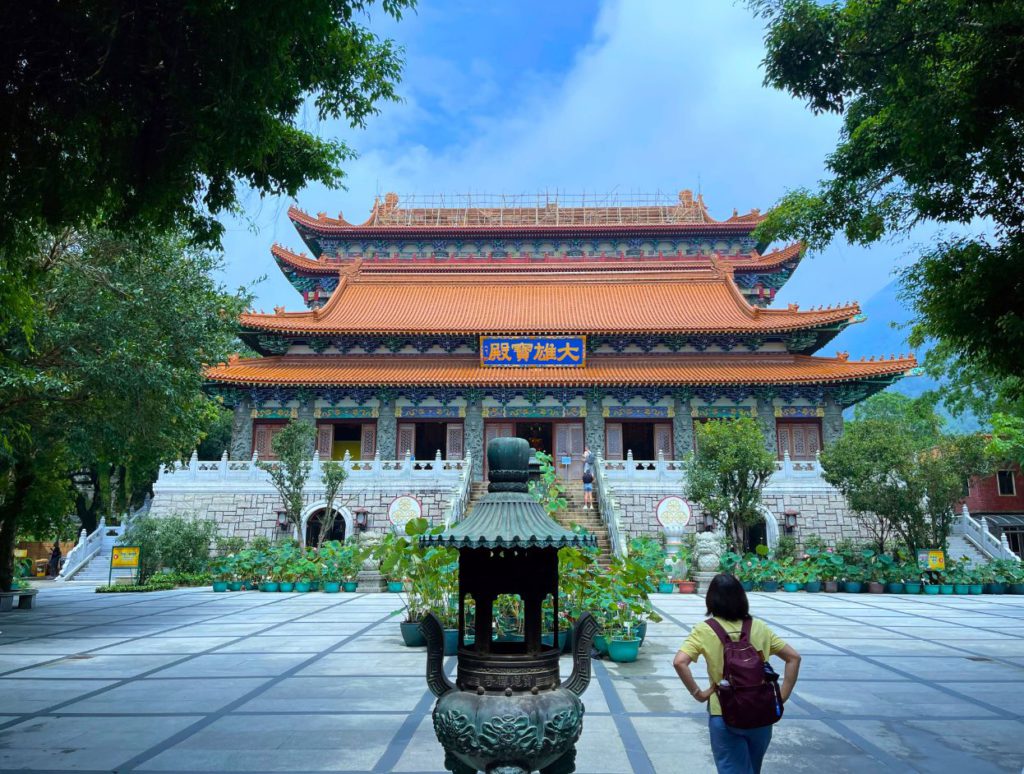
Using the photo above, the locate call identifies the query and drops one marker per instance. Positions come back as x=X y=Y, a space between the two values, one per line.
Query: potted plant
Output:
x=853 y=581
x=223 y=573
x=829 y=566
x=306 y=570
x=812 y=580
x=895 y=578
x=792 y=577
x=330 y=567
x=912 y=575
x=932 y=581
x=663 y=577
x=769 y=574
x=1016 y=578
x=959 y=576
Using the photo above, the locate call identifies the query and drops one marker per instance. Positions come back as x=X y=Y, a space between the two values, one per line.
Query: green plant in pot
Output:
x=959 y=574
x=1015 y=578
x=769 y=573
x=306 y=571
x=877 y=568
x=223 y=570
x=433 y=580
x=330 y=566
x=853 y=579
x=895 y=578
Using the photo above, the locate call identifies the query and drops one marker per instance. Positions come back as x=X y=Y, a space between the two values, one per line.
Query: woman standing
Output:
x=588 y=478
x=736 y=750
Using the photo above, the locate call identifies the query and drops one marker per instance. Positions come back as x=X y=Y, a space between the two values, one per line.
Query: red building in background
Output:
x=1000 y=499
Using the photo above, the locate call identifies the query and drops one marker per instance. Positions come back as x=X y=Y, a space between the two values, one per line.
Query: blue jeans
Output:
x=738 y=750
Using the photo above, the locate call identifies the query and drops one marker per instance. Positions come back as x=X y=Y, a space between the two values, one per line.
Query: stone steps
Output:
x=589 y=519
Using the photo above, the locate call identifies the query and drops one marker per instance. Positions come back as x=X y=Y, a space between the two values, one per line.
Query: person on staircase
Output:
x=588 y=478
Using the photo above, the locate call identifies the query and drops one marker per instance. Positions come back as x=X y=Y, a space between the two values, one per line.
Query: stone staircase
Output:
x=97 y=569
x=590 y=520
x=961 y=546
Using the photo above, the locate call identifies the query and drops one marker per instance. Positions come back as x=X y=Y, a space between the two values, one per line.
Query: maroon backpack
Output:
x=749 y=691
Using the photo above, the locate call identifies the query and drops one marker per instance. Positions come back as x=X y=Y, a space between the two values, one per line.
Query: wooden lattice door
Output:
x=613 y=441
x=325 y=440
x=367 y=441
x=453 y=441
x=663 y=440
x=406 y=441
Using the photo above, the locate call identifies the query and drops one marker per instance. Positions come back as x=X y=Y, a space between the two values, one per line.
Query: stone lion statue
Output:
x=709 y=551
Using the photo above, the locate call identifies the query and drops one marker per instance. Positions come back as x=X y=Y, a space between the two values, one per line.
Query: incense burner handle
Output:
x=437 y=680
x=583 y=637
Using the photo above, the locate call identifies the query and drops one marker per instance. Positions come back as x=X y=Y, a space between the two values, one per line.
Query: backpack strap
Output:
x=748 y=622
x=718 y=629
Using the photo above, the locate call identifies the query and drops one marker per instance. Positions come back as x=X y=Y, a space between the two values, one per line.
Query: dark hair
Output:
x=726 y=598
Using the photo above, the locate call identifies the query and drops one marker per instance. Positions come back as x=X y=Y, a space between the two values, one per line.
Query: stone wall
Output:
x=252 y=513
x=822 y=510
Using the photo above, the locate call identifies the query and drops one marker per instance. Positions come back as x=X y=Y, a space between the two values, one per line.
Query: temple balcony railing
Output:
x=225 y=474
x=661 y=471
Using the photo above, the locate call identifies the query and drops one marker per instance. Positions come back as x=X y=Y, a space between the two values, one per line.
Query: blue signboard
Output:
x=533 y=351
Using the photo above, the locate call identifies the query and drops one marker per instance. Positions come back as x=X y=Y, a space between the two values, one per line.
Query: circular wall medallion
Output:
x=673 y=511
x=404 y=509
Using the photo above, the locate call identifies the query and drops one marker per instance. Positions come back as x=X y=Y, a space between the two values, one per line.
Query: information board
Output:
x=125 y=556
x=931 y=559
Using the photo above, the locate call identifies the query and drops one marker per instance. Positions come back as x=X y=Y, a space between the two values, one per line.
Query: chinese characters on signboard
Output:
x=533 y=351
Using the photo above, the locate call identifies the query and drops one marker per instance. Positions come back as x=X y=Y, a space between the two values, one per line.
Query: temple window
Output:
x=802 y=439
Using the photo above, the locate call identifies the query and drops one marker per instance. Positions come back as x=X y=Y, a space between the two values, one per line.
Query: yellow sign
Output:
x=125 y=556
x=931 y=559
x=20 y=553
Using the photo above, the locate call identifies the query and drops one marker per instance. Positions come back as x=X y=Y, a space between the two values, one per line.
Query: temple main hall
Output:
x=439 y=323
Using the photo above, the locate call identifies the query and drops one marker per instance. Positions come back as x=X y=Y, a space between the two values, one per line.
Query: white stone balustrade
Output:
x=664 y=471
x=977 y=532
x=225 y=474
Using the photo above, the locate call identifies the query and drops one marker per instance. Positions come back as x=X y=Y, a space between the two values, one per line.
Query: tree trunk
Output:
x=9 y=510
x=87 y=510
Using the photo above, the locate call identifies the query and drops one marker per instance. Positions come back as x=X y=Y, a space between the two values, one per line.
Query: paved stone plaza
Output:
x=192 y=681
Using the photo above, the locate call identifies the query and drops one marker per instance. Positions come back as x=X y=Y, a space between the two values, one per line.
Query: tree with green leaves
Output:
x=932 y=100
x=334 y=477
x=151 y=115
x=293 y=447
x=727 y=473
x=108 y=385
x=900 y=479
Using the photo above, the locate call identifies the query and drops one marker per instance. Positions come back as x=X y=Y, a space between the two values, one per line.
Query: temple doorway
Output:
x=314 y=525
x=644 y=439
x=334 y=439
x=423 y=440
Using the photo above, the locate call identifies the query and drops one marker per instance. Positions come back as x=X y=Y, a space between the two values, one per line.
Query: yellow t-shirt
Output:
x=704 y=642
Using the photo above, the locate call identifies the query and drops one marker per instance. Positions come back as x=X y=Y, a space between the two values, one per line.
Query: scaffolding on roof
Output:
x=541 y=209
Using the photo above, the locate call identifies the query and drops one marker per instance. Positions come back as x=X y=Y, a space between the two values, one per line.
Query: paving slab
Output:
x=73 y=743
x=282 y=743
x=191 y=681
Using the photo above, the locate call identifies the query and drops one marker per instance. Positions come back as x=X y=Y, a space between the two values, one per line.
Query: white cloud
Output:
x=666 y=95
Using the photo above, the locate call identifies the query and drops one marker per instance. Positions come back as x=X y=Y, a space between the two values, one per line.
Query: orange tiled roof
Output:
x=755 y=261
x=377 y=297
x=304 y=263
x=770 y=260
x=516 y=212
x=426 y=370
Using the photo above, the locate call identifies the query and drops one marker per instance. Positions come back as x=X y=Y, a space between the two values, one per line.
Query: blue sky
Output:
x=624 y=95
